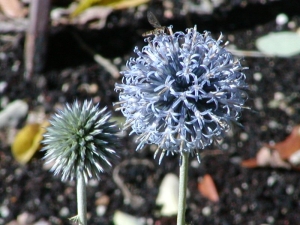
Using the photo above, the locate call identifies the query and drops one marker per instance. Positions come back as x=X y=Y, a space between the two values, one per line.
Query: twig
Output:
x=245 y=53
x=130 y=199
x=36 y=37
x=105 y=63
x=15 y=25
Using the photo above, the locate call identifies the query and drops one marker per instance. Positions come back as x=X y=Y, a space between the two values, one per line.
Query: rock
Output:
x=13 y=113
x=121 y=218
x=25 y=218
x=168 y=195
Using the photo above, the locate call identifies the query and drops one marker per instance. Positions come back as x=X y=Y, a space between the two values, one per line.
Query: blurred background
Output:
x=54 y=52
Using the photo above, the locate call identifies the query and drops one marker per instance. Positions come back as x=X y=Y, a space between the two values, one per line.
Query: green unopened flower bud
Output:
x=80 y=140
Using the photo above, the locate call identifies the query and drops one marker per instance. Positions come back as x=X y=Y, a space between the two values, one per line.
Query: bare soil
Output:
x=247 y=196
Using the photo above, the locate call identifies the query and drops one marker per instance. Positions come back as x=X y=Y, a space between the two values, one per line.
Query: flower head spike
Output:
x=80 y=140
x=182 y=92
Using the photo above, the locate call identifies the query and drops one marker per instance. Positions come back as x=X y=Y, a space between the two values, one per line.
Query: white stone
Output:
x=282 y=44
x=258 y=103
x=64 y=212
x=294 y=159
x=121 y=218
x=168 y=195
x=257 y=76
x=101 y=209
x=25 y=218
x=4 y=211
x=206 y=211
x=281 y=19
x=42 y=222
x=13 y=113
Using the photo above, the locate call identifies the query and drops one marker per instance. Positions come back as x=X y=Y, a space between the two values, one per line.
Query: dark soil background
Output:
x=247 y=196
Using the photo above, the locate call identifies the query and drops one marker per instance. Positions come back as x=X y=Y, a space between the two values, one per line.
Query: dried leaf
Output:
x=124 y=4
x=207 y=188
x=250 y=163
x=285 y=154
x=115 y=4
x=95 y=13
x=290 y=145
x=12 y=8
x=27 y=142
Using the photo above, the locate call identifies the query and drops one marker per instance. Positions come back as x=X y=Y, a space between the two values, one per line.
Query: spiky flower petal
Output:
x=80 y=139
x=182 y=92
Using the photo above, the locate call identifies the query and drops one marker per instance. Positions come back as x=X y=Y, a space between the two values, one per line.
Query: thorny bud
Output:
x=80 y=139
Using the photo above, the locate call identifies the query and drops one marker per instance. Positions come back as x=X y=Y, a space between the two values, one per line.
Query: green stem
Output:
x=183 y=177
x=81 y=200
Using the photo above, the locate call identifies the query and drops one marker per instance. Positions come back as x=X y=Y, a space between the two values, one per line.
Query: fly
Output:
x=159 y=29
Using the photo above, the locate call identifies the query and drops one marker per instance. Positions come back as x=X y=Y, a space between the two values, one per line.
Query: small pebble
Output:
x=238 y=218
x=253 y=206
x=3 y=85
x=258 y=103
x=273 y=124
x=245 y=186
x=279 y=96
x=64 y=212
x=244 y=208
x=42 y=222
x=25 y=218
x=225 y=146
x=292 y=25
x=270 y=219
x=237 y=192
x=206 y=211
x=93 y=183
x=281 y=19
x=271 y=181
x=117 y=61
x=4 y=211
x=290 y=189
x=100 y=210
x=195 y=164
x=244 y=136
x=284 y=211
x=257 y=76
x=236 y=160
x=60 y=198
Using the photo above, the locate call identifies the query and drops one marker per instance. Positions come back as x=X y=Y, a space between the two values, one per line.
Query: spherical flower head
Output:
x=182 y=92
x=80 y=140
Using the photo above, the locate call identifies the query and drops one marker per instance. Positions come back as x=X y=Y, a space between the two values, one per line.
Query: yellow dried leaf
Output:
x=115 y=4
x=27 y=142
x=123 y=4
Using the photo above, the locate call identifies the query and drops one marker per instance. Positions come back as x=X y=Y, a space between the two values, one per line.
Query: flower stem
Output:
x=81 y=200
x=183 y=177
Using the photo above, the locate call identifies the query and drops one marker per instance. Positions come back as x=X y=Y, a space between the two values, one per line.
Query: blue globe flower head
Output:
x=182 y=92
x=80 y=140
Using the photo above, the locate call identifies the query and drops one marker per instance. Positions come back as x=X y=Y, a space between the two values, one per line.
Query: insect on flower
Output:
x=159 y=29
